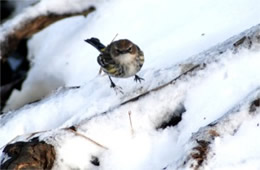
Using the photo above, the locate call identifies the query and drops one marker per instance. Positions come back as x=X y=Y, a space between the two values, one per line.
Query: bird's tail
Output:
x=96 y=43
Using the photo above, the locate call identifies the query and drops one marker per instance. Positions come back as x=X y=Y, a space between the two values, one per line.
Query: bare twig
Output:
x=131 y=125
x=114 y=37
x=85 y=137
x=100 y=71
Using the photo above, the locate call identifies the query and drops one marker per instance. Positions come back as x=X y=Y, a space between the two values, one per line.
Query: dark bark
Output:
x=33 y=154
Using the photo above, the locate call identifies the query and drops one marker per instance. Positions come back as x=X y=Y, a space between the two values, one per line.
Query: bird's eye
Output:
x=118 y=51
x=129 y=49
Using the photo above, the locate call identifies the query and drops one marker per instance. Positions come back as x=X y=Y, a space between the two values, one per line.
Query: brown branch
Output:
x=27 y=28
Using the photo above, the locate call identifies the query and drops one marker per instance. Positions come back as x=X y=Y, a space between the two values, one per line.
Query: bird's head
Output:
x=123 y=46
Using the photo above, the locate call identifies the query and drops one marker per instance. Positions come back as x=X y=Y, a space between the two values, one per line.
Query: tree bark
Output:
x=30 y=26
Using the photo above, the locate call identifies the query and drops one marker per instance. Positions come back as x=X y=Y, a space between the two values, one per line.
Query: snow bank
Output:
x=177 y=32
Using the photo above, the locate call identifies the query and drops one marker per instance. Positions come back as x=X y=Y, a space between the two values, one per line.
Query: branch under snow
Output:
x=26 y=24
x=202 y=142
x=197 y=155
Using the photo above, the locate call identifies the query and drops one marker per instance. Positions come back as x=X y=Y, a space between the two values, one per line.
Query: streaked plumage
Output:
x=119 y=59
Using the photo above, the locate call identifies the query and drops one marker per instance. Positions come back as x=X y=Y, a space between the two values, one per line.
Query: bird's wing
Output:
x=140 y=57
x=104 y=60
x=108 y=65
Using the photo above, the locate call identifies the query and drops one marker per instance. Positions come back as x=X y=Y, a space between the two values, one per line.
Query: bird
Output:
x=119 y=59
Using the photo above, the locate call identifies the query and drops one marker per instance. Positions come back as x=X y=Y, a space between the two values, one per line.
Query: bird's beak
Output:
x=124 y=52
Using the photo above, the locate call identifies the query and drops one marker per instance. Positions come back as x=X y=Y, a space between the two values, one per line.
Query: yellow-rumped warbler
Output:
x=119 y=59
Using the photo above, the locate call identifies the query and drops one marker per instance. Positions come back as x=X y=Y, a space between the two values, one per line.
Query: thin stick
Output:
x=100 y=71
x=114 y=37
x=85 y=137
x=131 y=125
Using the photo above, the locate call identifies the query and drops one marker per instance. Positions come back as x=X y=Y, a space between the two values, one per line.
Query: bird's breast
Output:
x=125 y=59
x=131 y=70
x=128 y=65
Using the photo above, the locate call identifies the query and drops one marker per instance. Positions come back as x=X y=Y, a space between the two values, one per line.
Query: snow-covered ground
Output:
x=170 y=33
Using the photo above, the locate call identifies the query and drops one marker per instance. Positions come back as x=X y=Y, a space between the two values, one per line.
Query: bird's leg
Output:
x=137 y=78
x=116 y=88
x=113 y=85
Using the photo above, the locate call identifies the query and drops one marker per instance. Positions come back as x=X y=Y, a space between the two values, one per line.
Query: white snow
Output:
x=169 y=33
x=238 y=151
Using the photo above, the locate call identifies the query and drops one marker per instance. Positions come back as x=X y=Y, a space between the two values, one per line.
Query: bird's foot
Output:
x=137 y=78
x=117 y=89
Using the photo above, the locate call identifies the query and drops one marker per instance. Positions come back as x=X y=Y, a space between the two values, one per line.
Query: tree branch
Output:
x=29 y=27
